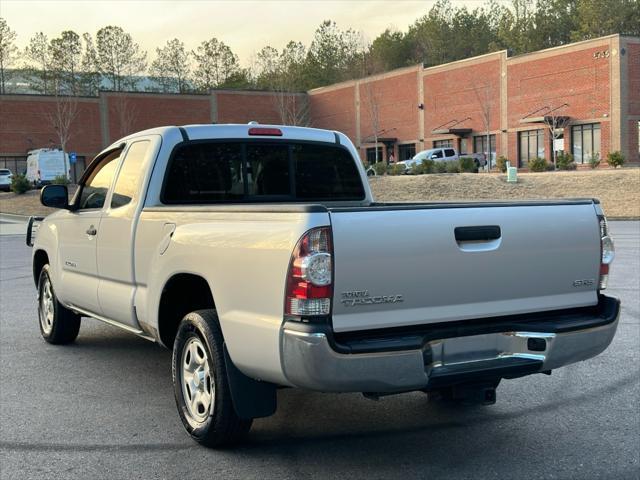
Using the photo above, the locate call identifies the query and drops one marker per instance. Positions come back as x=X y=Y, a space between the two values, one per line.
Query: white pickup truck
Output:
x=441 y=155
x=258 y=254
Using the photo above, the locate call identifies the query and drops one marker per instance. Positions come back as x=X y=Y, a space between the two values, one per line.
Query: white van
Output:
x=44 y=164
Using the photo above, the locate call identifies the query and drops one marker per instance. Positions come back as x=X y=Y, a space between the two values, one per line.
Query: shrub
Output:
x=396 y=169
x=594 y=161
x=615 y=159
x=468 y=165
x=426 y=166
x=380 y=168
x=452 y=167
x=538 y=164
x=20 y=184
x=501 y=163
x=564 y=161
x=439 y=167
x=61 y=180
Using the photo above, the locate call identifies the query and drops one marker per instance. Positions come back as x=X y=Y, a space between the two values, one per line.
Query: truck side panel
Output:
x=243 y=257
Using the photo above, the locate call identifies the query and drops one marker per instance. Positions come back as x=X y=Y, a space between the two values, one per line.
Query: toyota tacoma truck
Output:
x=259 y=256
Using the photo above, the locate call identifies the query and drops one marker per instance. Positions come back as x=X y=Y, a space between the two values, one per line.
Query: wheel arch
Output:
x=40 y=259
x=182 y=293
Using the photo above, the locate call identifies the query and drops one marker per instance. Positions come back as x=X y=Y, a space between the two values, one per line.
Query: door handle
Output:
x=92 y=230
x=482 y=233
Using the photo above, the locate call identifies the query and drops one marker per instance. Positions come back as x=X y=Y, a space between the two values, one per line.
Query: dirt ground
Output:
x=618 y=190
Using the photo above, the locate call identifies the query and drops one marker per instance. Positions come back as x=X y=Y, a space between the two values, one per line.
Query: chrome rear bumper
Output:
x=310 y=360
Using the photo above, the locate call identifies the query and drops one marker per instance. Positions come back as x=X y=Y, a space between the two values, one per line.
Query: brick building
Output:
x=590 y=92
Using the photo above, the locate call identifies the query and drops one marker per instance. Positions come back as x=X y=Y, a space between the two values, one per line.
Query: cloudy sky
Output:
x=246 y=26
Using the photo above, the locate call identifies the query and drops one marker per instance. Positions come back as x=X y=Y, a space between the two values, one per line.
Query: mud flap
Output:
x=251 y=398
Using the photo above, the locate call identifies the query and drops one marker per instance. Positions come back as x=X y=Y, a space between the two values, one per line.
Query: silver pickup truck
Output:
x=258 y=255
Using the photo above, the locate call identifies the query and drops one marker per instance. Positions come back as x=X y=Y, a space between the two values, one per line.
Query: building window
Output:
x=406 y=151
x=443 y=143
x=371 y=155
x=480 y=145
x=531 y=145
x=585 y=143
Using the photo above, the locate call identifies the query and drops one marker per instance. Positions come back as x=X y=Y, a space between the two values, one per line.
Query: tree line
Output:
x=74 y=64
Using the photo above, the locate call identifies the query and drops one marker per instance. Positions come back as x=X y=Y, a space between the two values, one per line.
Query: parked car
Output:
x=44 y=165
x=441 y=155
x=5 y=179
x=240 y=247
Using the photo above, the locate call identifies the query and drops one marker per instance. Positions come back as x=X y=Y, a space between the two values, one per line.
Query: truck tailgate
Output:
x=408 y=265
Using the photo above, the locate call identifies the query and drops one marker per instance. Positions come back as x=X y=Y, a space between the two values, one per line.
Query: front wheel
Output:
x=200 y=383
x=58 y=325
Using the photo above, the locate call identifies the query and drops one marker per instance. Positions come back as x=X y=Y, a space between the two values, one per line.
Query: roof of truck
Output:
x=206 y=131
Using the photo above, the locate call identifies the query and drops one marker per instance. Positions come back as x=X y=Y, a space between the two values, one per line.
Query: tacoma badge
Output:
x=362 y=297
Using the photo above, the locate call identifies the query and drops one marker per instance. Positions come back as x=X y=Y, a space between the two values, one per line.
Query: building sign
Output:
x=601 y=54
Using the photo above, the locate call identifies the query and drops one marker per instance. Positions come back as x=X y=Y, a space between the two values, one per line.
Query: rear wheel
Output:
x=58 y=325
x=201 y=387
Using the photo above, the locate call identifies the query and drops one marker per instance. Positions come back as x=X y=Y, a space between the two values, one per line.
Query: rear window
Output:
x=219 y=172
x=5 y=172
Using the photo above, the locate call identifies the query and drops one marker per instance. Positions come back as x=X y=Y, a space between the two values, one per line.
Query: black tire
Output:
x=220 y=426
x=58 y=325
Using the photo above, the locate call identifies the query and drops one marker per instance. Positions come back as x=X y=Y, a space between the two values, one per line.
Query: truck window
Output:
x=128 y=179
x=95 y=188
x=450 y=152
x=437 y=154
x=268 y=170
x=325 y=173
x=260 y=172
x=204 y=173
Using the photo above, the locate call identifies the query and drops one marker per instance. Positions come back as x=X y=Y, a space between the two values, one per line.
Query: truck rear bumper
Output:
x=314 y=358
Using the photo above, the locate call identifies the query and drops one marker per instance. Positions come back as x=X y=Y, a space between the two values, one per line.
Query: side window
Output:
x=449 y=152
x=437 y=154
x=95 y=188
x=126 y=187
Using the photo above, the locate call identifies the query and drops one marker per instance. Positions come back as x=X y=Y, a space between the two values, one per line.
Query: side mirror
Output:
x=55 y=196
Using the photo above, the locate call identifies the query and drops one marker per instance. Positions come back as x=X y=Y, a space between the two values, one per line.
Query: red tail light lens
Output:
x=309 y=286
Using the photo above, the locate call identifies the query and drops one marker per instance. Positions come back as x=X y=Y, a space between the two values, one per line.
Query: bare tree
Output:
x=292 y=108
x=62 y=117
x=485 y=97
x=372 y=102
x=8 y=51
x=555 y=123
x=125 y=114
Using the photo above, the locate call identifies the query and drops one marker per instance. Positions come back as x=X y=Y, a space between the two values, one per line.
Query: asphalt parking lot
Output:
x=104 y=408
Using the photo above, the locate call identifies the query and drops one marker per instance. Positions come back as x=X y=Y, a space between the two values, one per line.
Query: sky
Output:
x=244 y=25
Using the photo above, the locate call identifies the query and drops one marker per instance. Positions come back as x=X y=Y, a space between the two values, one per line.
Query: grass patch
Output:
x=618 y=190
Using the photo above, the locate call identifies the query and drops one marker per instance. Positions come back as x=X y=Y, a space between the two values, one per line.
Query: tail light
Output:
x=309 y=286
x=607 y=252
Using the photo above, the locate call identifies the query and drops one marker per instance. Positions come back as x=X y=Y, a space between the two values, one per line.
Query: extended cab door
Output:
x=78 y=230
x=117 y=234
